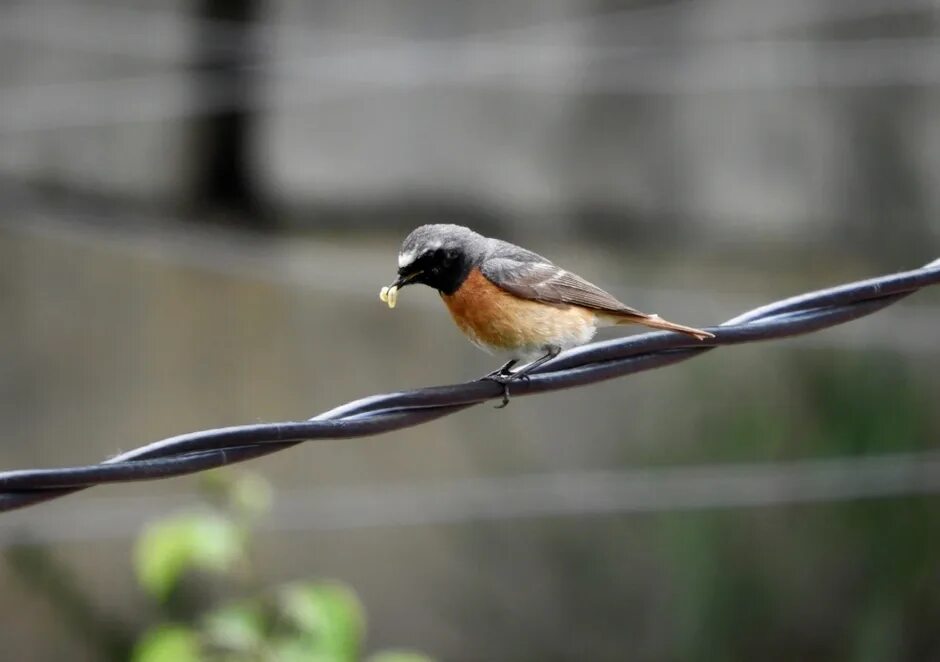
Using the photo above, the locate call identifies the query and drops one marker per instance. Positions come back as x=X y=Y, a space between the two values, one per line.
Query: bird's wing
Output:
x=531 y=276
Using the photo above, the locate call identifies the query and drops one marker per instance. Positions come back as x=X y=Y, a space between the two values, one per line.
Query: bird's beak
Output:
x=405 y=279
x=389 y=294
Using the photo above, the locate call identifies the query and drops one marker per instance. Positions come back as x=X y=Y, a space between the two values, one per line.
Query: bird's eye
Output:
x=451 y=254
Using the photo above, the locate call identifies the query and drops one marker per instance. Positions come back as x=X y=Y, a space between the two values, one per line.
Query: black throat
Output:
x=451 y=275
x=445 y=274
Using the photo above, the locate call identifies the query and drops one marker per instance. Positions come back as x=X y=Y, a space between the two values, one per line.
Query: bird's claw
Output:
x=504 y=379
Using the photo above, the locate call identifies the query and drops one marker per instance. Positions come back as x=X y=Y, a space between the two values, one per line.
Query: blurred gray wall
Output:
x=787 y=124
x=713 y=118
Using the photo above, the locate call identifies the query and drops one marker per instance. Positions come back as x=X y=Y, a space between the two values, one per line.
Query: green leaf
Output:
x=170 y=547
x=399 y=656
x=237 y=627
x=168 y=643
x=331 y=616
x=297 y=649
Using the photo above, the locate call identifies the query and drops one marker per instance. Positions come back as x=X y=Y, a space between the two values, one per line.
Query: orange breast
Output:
x=494 y=319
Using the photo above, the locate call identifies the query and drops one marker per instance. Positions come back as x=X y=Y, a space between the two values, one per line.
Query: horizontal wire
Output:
x=316 y=80
x=521 y=58
x=161 y=35
x=674 y=488
x=198 y=451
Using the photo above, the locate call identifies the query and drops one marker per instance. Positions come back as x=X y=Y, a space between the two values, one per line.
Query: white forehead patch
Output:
x=404 y=259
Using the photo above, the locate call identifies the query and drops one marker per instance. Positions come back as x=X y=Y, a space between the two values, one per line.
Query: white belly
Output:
x=564 y=336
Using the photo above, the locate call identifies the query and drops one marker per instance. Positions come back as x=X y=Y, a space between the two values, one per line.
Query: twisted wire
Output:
x=198 y=451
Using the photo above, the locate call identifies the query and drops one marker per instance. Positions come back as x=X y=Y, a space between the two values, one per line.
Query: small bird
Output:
x=510 y=301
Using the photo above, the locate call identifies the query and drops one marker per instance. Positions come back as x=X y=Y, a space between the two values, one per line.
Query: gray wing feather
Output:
x=531 y=276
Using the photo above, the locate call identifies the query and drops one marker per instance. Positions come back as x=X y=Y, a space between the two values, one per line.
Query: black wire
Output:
x=198 y=451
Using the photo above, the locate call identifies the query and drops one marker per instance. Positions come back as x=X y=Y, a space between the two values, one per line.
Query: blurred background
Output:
x=200 y=200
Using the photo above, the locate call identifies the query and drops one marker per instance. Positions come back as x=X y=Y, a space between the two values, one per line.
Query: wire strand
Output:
x=198 y=451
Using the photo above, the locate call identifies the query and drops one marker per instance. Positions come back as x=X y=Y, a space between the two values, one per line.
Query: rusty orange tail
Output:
x=657 y=322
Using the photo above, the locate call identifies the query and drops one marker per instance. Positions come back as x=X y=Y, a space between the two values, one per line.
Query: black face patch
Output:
x=444 y=269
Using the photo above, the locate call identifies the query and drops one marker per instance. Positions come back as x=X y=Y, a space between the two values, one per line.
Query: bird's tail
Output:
x=657 y=322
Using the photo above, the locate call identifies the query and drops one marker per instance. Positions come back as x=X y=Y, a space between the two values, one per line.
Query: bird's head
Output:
x=440 y=256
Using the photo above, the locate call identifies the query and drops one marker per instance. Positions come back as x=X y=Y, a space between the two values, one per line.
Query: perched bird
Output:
x=510 y=301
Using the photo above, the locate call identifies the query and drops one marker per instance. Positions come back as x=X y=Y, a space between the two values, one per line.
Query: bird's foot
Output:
x=504 y=379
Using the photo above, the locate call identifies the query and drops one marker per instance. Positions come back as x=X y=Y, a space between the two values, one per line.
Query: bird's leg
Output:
x=503 y=376
x=505 y=370
x=523 y=373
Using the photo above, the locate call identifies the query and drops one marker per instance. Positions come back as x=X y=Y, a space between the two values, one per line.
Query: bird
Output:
x=509 y=301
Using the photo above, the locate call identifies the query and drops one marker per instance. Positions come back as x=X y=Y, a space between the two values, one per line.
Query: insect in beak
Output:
x=389 y=293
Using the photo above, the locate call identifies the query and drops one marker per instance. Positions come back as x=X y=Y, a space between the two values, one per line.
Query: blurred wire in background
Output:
x=702 y=487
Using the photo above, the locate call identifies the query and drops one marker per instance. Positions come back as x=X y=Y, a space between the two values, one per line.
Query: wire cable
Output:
x=199 y=451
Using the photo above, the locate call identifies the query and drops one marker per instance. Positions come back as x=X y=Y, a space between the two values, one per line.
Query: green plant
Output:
x=302 y=621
